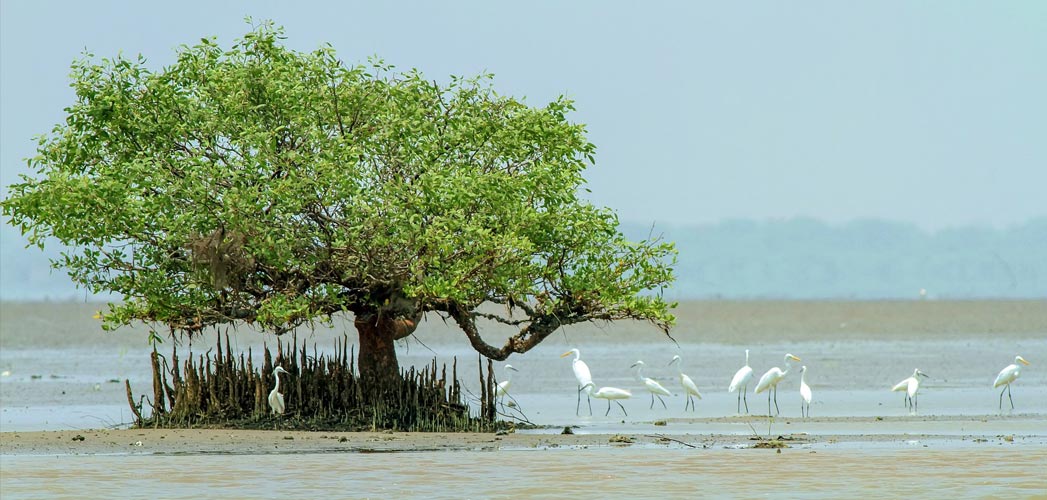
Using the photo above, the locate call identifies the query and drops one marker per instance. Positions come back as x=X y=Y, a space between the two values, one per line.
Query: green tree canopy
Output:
x=264 y=185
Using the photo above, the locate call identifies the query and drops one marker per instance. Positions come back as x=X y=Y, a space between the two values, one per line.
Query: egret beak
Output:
x=794 y=358
x=634 y=365
x=513 y=369
x=1024 y=362
x=925 y=375
x=564 y=355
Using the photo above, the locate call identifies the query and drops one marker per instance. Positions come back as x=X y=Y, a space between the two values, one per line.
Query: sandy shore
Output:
x=851 y=432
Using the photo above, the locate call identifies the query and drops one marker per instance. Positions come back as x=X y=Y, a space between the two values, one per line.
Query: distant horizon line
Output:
x=1035 y=219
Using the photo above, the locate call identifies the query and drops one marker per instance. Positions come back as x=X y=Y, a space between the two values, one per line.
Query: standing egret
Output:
x=276 y=400
x=910 y=385
x=502 y=389
x=741 y=381
x=1008 y=375
x=770 y=380
x=805 y=392
x=652 y=385
x=689 y=387
x=610 y=394
x=582 y=375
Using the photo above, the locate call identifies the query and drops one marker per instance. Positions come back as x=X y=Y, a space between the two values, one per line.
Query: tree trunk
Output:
x=379 y=370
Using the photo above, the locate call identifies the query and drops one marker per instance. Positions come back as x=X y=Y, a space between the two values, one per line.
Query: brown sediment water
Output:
x=607 y=472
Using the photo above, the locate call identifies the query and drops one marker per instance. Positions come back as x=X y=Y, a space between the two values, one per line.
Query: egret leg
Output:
x=608 y=408
x=739 y=409
x=662 y=400
x=776 y=411
x=588 y=399
x=622 y=407
x=768 y=403
x=578 y=404
x=652 y=401
x=745 y=399
x=1009 y=395
x=1001 y=396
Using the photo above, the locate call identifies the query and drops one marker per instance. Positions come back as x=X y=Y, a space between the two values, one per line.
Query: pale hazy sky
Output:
x=929 y=112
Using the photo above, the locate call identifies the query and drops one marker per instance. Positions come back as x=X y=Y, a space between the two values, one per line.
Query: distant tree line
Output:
x=804 y=258
x=795 y=258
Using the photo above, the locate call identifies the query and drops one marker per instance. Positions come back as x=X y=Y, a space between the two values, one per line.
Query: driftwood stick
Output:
x=667 y=438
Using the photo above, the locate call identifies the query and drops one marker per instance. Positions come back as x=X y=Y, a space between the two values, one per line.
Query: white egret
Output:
x=805 y=392
x=1008 y=375
x=910 y=385
x=770 y=381
x=503 y=387
x=276 y=400
x=741 y=381
x=610 y=394
x=689 y=387
x=652 y=385
x=582 y=375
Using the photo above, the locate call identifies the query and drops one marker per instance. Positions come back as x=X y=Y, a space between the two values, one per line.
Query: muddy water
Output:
x=592 y=473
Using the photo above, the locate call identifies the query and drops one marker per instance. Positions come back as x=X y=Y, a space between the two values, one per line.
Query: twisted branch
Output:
x=540 y=327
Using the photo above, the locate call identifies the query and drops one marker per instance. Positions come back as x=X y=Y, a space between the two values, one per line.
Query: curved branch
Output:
x=499 y=319
x=540 y=327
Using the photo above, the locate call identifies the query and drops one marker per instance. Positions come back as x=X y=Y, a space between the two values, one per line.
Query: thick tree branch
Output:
x=499 y=319
x=540 y=327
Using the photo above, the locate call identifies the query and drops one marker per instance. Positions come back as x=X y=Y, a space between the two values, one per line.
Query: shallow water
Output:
x=65 y=374
x=592 y=473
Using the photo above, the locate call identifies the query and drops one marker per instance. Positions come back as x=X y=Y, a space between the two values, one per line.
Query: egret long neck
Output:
x=277 y=375
x=746 y=357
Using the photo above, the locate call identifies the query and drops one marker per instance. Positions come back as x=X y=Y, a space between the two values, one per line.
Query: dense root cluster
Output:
x=323 y=392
